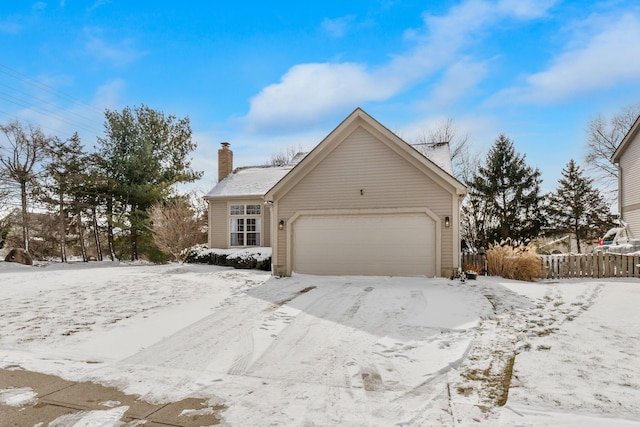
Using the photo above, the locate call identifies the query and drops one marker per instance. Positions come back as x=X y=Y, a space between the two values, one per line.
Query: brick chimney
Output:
x=225 y=161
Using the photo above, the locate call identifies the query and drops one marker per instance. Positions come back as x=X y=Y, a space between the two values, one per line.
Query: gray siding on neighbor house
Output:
x=629 y=197
x=387 y=180
x=219 y=220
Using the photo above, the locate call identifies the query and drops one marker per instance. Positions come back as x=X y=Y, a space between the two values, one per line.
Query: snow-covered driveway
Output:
x=295 y=351
x=318 y=351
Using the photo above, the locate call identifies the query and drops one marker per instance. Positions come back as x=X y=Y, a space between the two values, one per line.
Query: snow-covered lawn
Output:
x=317 y=351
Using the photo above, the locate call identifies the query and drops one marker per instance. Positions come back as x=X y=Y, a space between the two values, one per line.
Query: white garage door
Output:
x=395 y=245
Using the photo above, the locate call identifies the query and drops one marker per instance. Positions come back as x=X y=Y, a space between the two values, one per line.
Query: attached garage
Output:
x=364 y=202
x=376 y=243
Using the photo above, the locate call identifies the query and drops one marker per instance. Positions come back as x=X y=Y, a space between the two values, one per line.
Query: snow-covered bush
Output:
x=513 y=260
x=253 y=258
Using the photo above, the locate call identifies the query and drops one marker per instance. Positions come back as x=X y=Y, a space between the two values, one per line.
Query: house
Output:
x=362 y=202
x=627 y=157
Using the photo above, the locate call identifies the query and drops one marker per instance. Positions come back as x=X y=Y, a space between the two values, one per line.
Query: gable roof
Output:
x=359 y=118
x=257 y=181
x=635 y=128
x=252 y=181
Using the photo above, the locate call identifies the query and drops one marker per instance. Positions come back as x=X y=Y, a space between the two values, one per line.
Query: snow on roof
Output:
x=249 y=181
x=438 y=153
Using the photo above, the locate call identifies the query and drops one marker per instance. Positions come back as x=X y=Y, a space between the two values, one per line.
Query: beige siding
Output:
x=218 y=224
x=219 y=221
x=364 y=173
x=266 y=225
x=630 y=186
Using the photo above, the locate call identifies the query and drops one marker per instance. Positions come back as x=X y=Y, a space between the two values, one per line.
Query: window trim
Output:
x=234 y=212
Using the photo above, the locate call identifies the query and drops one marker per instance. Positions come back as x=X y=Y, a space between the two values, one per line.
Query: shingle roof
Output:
x=249 y=181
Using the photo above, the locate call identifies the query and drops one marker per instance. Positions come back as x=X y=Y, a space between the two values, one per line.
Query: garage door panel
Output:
x=400 y=244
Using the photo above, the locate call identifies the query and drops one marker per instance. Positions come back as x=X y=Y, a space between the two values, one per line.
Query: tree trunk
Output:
x=83 y=246
x=63 y=230
x=133 y=219
x=25 y=228
x=96 y=233
x=112 y=253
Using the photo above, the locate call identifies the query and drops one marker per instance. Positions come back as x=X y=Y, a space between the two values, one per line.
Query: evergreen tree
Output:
x=144 y=154
x=63 y=168
x=504 y=198
x=577 y=208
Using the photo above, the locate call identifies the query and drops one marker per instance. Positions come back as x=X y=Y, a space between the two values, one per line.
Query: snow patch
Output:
x=18 y=396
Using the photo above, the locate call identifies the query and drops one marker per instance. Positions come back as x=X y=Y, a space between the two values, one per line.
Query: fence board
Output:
x=596 y=265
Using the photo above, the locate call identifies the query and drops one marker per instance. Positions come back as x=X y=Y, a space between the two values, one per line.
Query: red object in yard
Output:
x=600 y=242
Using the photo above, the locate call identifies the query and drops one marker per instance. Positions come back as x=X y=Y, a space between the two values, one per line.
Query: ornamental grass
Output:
x=514 y=260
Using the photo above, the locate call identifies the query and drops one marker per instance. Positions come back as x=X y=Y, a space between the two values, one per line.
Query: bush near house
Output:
x=258 y=258
x=513 y=260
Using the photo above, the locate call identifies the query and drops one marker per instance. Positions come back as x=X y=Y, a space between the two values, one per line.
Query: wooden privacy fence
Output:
x=597 y=265
x=563 y=266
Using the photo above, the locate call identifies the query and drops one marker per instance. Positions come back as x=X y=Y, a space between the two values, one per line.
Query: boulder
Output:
x=19 y=255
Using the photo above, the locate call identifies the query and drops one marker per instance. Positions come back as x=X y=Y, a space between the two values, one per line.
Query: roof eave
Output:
x=626 y=140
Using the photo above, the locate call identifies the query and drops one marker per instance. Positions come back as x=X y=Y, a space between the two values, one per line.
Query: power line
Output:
x=33 y=82
x=12 y=99
x=46 y=108
x=13 y=89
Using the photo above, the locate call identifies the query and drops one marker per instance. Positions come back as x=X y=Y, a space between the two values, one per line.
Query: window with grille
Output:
x=244 y=226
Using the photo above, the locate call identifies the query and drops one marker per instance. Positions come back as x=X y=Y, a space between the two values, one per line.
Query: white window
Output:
x=244 y=225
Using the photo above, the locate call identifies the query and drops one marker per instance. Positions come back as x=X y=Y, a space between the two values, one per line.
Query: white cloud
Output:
x=526 y=8
x=308 y=93
x=37 y=6
x=312 y=90
x=108 y=95
x=119 y=54
x=460 y=78
x=609 y=57
x=10 y=27
x=337 y=27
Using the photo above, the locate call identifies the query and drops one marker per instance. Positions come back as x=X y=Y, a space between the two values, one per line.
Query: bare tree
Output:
x=21 y=152
x=603 y=138
x=285 y=156
x=464 y=165
x=176 y=226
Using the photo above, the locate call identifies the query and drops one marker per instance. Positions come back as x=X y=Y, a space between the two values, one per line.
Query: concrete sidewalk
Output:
x=57 y=398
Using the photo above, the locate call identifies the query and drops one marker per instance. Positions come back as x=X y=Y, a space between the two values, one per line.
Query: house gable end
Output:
x=360 y=119
x=626 y=141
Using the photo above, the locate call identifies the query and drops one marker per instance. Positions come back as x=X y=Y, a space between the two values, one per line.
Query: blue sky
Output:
x=269 y=75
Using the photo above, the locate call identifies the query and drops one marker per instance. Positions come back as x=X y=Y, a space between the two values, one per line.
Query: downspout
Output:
x=620 y=192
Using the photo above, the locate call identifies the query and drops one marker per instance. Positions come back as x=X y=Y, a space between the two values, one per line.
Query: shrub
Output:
x=513 y=260
x=250 y=258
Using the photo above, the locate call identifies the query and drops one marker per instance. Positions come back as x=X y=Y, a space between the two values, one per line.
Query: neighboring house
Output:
x=627 y=157
x=362 y=202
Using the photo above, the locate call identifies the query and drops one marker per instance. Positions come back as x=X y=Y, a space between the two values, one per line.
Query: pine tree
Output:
x=144 y=154
x=504 y=198
x=577 y=208
x=63 y=168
